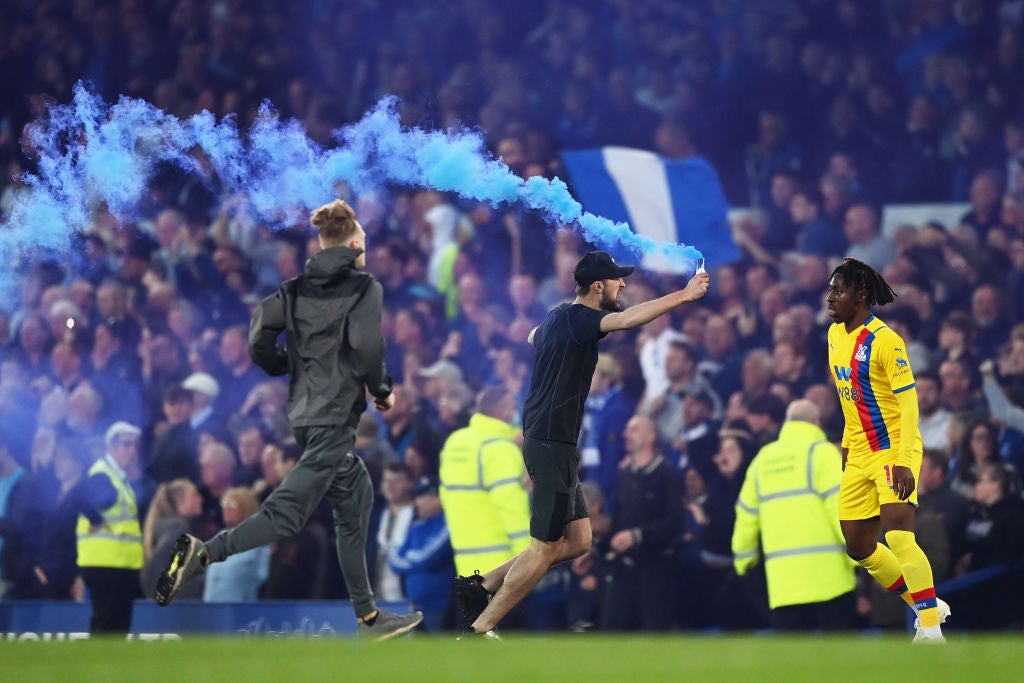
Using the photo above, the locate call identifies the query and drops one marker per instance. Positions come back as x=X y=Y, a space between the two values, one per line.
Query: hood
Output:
x=332 y=264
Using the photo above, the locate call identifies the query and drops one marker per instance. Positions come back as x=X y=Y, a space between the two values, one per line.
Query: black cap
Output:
x=425 y=485
x=598 y=265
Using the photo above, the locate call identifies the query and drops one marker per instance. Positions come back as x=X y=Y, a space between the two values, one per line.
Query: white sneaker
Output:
x=929 y=639
x=944 y=612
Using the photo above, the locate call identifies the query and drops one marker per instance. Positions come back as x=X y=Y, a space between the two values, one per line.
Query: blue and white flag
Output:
x=668 y=200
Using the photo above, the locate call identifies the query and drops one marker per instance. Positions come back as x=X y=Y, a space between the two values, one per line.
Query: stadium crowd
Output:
x=815 y=113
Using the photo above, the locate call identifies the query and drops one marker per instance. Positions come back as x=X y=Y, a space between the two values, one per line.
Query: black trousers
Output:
x=112 y=592
x=640 y=597
x=837 y=614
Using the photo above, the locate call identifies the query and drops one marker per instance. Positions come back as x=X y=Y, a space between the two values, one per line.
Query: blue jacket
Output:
x=604 y=419
x=426 y=563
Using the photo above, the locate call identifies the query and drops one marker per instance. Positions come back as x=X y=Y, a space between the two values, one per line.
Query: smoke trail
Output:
x=90 y=153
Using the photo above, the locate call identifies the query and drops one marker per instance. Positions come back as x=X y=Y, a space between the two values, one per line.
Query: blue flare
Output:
x=91 y=153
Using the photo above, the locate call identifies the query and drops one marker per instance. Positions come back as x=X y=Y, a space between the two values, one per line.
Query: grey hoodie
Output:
x=334 y=349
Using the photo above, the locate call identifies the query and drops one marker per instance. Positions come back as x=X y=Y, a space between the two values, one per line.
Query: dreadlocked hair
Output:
x=859 y=275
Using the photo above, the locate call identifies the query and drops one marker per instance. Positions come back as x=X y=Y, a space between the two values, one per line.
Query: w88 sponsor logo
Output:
x=849 y=393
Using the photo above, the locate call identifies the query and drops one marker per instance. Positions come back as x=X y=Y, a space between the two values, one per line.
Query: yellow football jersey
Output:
x=870 y=367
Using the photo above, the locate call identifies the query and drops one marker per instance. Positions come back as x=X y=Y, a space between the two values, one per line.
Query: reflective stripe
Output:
x=806 y=550
x=831 y=492
x=787 y=494
x=480 y=461
x=463 y=487
x=745 y=555
x=503 y=482
x=790 y=493
x=128 y=516
x=748 y=510
x=484 y=549
x=519 y=534
x=106 y=535
x=118 y=543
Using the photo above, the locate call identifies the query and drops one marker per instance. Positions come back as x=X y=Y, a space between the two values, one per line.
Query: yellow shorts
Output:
x=867 y=484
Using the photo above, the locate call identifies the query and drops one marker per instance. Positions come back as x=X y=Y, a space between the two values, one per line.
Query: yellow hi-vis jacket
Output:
x=790 y=498
x=118 y=544
x=482 y=493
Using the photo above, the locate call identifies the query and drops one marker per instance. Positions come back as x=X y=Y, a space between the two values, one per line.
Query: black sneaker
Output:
x=472 y=597
x=189 y=560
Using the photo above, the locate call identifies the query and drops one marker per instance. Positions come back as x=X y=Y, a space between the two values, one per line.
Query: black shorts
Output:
x=557 y=495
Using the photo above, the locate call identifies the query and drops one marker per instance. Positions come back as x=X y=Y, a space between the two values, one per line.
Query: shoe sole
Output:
x=170 y=580
x=398 y=631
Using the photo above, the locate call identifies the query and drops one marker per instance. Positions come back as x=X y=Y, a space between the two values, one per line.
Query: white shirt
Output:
x=652 y=363
x=935 y=430
x=390 y=536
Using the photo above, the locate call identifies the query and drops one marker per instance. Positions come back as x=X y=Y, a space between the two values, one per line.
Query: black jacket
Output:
x=335 y=348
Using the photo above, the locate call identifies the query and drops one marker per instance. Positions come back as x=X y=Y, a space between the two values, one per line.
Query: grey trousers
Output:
x=328 y=467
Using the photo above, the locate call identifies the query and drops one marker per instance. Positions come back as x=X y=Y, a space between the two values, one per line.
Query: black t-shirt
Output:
x=566 y=344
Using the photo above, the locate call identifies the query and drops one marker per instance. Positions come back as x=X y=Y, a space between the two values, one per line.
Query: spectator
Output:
x=934 y=420
x=640 y=586
x=604 y=421
x=217 y=465
x=250 y=442
x=174 y=451
x=995 y=537
x=396 y=517
x=937 y=497
x=977 y=448
x=986 y=194
x=863 y=230
x=175 y=506
x=239 y=577
x=205 y=390
x=239 y=376
x=425 y=561
x=12 y=472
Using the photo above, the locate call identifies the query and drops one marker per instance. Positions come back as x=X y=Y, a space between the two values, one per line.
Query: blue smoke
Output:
x=92 y=153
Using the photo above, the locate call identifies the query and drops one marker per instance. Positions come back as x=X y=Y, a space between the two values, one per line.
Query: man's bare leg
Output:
x=494 y=579
x=526 y=569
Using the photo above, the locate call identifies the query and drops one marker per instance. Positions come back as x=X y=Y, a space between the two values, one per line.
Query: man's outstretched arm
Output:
x=641 y=314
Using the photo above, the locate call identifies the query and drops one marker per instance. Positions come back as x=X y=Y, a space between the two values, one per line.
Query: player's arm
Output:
x=641 y=314
x=901 y=381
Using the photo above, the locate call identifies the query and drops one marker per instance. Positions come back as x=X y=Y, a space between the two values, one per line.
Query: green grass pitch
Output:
x=586 y=658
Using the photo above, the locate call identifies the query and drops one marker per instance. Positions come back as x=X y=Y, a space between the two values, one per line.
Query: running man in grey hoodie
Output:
x=333 y=356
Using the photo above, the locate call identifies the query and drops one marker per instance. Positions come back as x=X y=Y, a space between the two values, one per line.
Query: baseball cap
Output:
x=426 y=485
x=443 y=368
x=203 y=383
x=598 y=265
x=121 y=428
